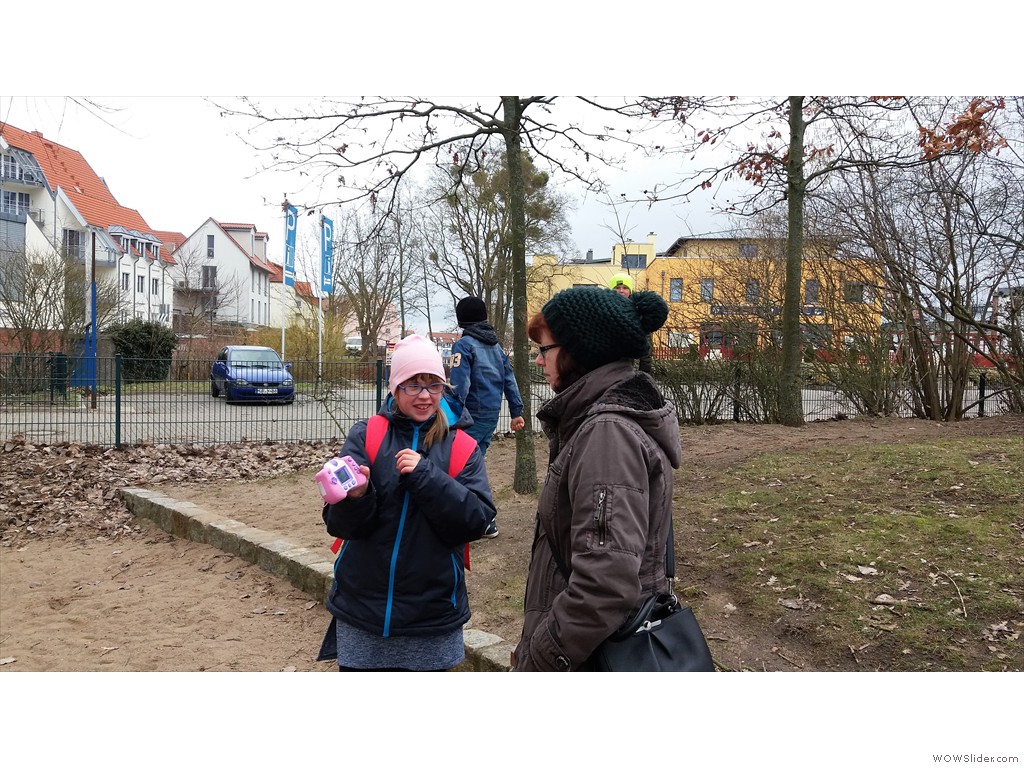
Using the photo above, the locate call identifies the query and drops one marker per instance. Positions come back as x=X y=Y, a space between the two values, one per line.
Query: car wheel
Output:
x=227 y=393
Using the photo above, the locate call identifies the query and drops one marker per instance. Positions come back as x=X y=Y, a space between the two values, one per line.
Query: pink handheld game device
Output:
x=339 y=476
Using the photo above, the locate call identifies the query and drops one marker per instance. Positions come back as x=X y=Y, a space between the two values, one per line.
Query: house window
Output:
x=675 y=289
x=853 y=293
x=748 y=250
x=140 y=283
x=679 y=339
x=74 y=243
x=12 y=170
x=209 y=277
x=209 y=246
x=711 y=337
x=707 y=290
x=753 y=292
x=15 y=202
x=816 y=336
x=634 y=261
x=126 y=282
x=154 y=286
x=811 y=289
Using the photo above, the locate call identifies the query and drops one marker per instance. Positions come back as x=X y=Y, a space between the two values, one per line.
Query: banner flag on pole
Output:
x=326 y=255
x=290 y=223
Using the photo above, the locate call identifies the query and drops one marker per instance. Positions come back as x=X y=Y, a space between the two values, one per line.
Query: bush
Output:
x=145 y=348
x=699 y=389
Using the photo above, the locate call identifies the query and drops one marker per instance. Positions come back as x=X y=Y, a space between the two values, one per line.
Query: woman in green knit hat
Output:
x=603 y=518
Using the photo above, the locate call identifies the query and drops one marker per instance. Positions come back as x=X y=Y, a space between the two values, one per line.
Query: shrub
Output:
x=145 y=348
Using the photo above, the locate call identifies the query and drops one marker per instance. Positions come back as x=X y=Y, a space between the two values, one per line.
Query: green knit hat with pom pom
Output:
x=598 y=326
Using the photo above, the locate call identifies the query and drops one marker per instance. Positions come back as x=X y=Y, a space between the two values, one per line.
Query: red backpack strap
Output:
x=462 y=449
x=376 y=428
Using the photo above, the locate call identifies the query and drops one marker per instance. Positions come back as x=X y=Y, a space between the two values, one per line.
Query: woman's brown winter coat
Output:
x=606 y=506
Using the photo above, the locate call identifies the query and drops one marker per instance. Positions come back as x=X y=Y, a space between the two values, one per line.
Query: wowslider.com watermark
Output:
x=969 y=758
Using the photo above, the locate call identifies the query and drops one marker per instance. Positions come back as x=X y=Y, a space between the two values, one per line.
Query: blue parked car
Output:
x=251 y=373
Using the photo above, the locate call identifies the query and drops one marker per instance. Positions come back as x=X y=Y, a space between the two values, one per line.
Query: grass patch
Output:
x=897 y=557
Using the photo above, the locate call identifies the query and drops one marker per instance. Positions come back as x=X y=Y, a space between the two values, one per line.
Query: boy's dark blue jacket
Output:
x=400 y=570
x=481 y=372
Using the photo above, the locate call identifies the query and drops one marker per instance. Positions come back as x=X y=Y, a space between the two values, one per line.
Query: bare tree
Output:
x=368 y=275
x=42 y=301
x=470 y=230
x=787 y=148
x=949 y=237
x=364 y=149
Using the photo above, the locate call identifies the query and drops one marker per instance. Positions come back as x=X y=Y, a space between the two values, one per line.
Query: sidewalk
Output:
x=305 y=570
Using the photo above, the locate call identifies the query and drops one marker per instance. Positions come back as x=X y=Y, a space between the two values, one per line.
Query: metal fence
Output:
x=43 y=399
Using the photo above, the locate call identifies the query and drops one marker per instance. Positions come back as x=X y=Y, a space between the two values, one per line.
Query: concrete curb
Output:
x=305 y=570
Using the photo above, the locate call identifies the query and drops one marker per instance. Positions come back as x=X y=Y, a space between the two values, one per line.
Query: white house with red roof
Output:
x=222 y=273
x=53 y=204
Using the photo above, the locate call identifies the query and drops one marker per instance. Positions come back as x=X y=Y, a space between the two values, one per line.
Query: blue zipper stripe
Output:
x=455 y=586
x=337 y=560
x=398 y=543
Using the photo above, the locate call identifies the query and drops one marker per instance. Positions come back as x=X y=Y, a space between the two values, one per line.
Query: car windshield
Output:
x=256 y=358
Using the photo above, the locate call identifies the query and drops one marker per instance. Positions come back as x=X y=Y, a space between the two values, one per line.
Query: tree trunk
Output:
x=791 y=406
x=525 y=480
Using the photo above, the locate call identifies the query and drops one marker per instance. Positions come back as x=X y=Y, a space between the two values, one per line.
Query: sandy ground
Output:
x=84 y=586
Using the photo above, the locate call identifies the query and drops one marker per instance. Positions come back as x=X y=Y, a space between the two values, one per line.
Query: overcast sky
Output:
x=177 y=161
x=171 y=156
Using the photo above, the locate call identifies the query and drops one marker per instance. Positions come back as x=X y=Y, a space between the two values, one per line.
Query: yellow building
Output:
x=728 y=292
x=725 y=292
x=547 y=276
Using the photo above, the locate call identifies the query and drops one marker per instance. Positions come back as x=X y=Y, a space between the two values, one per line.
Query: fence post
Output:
x=981 y=394
x=736 y=395
x=380 y=383
x=117 y=402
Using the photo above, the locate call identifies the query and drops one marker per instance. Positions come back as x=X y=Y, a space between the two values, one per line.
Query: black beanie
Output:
x=470 y=310
x=598 y=326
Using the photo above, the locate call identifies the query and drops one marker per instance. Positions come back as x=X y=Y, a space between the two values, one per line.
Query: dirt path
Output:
x=86 y=587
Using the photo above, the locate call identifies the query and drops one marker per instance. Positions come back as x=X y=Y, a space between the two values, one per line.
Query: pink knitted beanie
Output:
x=414 y=355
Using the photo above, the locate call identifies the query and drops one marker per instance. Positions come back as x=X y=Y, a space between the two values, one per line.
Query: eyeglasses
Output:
x=413 y=390
x=544 y=350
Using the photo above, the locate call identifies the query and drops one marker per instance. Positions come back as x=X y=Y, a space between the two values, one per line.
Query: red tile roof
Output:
x=67 y=169
x=171 y=241
x=445 y=338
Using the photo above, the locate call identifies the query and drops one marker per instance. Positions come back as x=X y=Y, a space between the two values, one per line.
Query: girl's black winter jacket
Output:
x=400 y=570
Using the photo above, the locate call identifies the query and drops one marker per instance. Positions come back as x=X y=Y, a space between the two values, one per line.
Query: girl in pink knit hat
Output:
x=399 y=598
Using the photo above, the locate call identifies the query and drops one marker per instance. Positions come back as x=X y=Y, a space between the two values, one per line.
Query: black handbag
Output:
x=662 y=636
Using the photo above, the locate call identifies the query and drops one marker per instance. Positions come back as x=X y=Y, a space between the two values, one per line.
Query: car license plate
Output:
x=266 y=391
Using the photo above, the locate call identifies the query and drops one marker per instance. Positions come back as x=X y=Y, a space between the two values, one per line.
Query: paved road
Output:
x=199 y=418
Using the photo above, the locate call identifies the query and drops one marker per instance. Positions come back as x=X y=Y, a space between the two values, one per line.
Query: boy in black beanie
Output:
x=480 y=374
